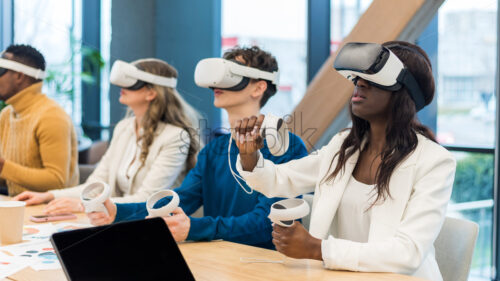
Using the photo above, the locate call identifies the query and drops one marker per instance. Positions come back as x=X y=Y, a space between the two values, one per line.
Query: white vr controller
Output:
x=274 y=131
x=22 y=68
x=286 y=211
x=166 y=210
x=94 y=195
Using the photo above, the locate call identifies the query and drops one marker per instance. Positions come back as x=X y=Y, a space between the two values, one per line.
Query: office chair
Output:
x=454 y=248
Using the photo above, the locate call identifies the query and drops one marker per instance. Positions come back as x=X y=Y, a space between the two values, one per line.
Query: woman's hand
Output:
x=296 y=242
x=34 y=198
x=101 y=218
x=249 y=140
x=64 y=206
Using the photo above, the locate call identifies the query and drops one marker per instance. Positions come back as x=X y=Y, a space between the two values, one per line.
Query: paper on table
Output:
x=46 y=266
x=44 y=231
x=65 y=226
x=14 y=258
x=38 y=232
x=10 y=265
x=39 y=253
x=36 y=250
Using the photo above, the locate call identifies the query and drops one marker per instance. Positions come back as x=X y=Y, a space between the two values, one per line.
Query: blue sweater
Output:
x=229 y=213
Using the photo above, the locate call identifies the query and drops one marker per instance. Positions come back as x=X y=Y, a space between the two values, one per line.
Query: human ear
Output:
x=259 y=88
x=151 y=94
x=18 y=77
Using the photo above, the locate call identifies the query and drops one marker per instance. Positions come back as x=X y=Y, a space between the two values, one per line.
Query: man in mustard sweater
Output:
x=38 y=145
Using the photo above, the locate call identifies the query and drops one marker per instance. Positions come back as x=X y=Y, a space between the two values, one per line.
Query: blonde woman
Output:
x=151 y=149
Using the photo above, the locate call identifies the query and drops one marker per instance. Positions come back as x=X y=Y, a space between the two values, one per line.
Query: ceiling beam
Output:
x=328 y=93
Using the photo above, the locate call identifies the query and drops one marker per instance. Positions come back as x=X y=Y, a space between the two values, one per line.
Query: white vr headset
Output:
x=229 y=74
x=128 y=76
x=379 y=66
x=6 y=64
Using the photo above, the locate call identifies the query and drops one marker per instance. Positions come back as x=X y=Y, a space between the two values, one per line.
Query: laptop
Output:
x=135 y=250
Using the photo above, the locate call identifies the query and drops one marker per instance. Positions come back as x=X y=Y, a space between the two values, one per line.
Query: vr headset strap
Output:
x=19 y=67
x=407 y=79
x=254 y=73
x=154 y=79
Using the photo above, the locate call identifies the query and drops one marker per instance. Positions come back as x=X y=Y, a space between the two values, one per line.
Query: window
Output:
x=54 y=28
x=466 y=73
x=105 y=52
x=279 y=27
x=344 y=16
x=465 y=93
x=472 y=199
x=5 y=24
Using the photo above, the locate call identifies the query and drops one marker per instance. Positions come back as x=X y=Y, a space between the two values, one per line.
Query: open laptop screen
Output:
x=135 y=250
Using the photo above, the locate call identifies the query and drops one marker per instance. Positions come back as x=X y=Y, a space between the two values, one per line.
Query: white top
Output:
x=352 y=221
x=403 y=228
x=163 y=168
x=130 y=162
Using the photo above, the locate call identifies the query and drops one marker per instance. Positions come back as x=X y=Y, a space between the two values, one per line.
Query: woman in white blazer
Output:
x=380 y=189
x=150 y=150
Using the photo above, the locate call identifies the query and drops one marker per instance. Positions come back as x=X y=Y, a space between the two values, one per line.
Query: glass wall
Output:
x=466 y=73
x=465 y=92
x=344 y=16
x=105 y=53
x=54 y=28
x=467 y=45
x=472 y=199
x=277 y=26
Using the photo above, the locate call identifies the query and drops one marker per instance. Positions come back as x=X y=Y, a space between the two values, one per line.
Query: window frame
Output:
x=91 y=122
x=6 y=23
x=496 y=181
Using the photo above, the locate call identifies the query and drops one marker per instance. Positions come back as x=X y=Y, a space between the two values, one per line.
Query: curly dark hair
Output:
x=403 y=125
x=27 y=55
x=258 y=58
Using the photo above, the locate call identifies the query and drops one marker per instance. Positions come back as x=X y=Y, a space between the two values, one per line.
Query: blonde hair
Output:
x=168 y=107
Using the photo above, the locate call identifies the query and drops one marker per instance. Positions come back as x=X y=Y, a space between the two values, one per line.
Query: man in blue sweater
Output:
x=229 y=212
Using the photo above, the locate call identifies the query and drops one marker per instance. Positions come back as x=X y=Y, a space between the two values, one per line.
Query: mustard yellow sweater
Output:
x=38 y=142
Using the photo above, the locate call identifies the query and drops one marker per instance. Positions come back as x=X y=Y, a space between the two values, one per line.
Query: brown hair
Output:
x=403 y=126
x=258 y=58
x=168 y=107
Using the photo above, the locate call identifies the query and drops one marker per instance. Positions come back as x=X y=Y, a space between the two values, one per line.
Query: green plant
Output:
x=473 y=182
x=473 y=178
x=61 y=77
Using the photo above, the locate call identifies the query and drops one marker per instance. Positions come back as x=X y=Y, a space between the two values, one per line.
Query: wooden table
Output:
x=220 y=260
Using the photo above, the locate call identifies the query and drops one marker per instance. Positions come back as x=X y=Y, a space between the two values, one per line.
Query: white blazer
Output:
x=403 y=228
x=163 y=168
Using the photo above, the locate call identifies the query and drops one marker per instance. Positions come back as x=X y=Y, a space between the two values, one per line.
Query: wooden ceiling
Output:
x=328 y=93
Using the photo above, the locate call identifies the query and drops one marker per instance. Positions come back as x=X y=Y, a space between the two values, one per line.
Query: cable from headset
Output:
x=235 y=176
x=256 y=260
